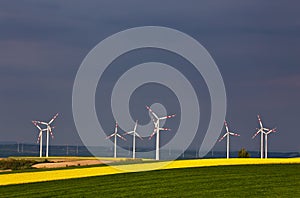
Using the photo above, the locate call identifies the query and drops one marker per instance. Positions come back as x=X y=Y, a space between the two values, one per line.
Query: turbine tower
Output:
x=115 y=135
x=134 y=134
x=262 y=130
x=156 y=121
x=228 y=133
x=48 y=130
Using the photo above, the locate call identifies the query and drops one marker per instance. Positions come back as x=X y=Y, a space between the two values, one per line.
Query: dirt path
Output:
x=6 y=170
x=61 y=164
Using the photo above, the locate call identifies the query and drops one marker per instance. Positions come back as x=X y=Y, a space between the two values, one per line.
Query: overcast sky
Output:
x=255 y=44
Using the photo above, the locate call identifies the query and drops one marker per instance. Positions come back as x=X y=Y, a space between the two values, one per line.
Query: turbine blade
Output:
x=51 y=133
x=138 y=135
x=271 y=131
x=121 y=137
x=153 y=120
x=150 y=110
x=166 y=117
x=135 y=126
x=223 y=137
x=153 y=133
x=39 y=122
x=35 y=124
x=234 y=134
x=260 y=122
x=127 y=133
x=226 y=126
x=39 y=137
x=164 y=129
x=116 y=128
x=256 y=134
x=110 y=136
x=54 y=117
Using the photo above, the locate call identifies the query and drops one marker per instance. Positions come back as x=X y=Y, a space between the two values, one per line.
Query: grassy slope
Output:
x=237 y=181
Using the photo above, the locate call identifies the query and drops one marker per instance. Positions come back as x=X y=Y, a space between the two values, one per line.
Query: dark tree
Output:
x=243 y=153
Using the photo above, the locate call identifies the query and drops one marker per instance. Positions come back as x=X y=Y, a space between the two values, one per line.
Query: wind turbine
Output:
x=48 y=130
x=228 y=133
x=115 y=134
x=266 y=141
x=40 y=137
x=156 y=121
x=262 y=130
x=134 y=133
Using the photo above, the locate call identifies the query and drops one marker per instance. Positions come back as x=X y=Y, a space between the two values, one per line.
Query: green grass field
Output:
x=223 y=181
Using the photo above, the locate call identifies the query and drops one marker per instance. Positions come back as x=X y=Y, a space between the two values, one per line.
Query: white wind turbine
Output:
x=115 y=134
x=40 y=137
x=228 y=133
x=134 y=134
x=48 y=130
x=266 y=141
x=156 y=121
x=262 y=130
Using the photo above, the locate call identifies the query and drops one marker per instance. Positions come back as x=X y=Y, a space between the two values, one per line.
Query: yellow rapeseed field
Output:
x=28 y=177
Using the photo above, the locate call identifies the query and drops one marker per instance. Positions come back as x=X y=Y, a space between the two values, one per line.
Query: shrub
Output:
x=16 y=164
x=243 y=153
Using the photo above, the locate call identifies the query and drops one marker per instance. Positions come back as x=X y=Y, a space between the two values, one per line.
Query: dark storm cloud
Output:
x=255 y=44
